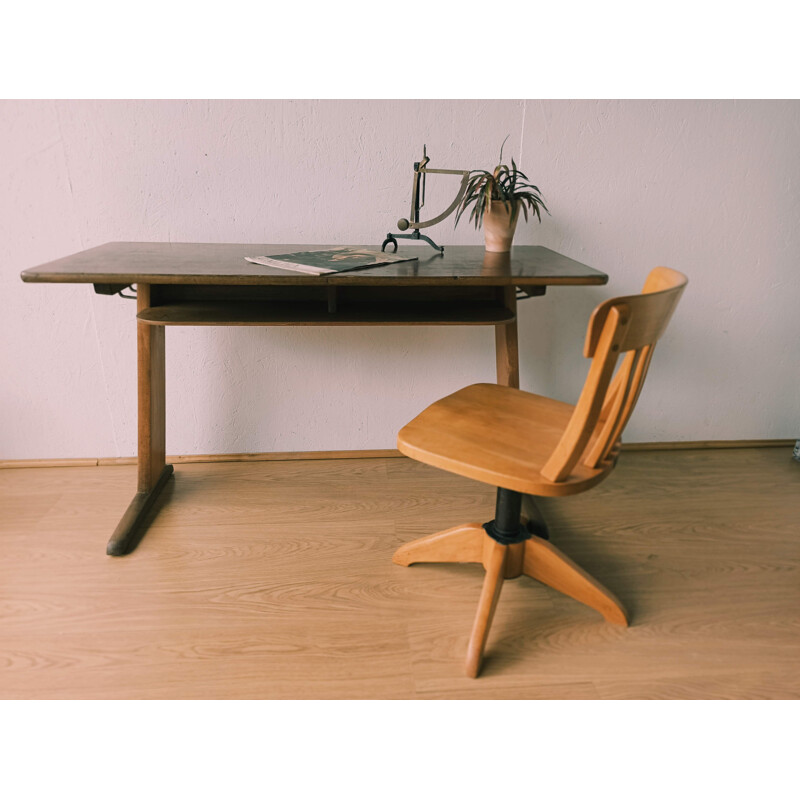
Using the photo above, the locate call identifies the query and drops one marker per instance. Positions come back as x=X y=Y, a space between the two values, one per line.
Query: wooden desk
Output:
x=212 y=284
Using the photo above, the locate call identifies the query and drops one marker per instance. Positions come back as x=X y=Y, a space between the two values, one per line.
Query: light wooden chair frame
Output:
x=585 y=454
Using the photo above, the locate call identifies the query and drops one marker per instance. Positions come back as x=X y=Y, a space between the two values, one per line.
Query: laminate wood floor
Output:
x=274 y=580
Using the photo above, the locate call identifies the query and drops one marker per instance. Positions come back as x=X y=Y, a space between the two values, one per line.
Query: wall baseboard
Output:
x=718 y=444
x=302 y=455
x=312 y=455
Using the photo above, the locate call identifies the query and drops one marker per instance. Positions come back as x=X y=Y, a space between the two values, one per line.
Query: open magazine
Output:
x=324 y=262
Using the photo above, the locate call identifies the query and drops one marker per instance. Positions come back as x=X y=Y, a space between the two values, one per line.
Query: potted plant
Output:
x=498 y=197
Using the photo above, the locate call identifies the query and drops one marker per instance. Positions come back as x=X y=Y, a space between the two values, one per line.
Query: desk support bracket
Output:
x=115 y=288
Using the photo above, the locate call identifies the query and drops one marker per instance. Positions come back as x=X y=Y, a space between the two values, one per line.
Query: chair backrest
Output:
x=630 y=325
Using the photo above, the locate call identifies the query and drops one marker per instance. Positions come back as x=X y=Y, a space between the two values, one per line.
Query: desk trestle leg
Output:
x=154 y=472
x=506 y=348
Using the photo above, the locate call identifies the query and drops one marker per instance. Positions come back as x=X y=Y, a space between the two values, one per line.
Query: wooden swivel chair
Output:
x=528 y=445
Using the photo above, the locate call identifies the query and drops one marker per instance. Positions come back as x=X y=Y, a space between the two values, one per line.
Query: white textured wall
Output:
x=711 y=188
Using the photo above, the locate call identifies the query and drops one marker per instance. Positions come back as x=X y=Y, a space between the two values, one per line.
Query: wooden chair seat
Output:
x=497 y=435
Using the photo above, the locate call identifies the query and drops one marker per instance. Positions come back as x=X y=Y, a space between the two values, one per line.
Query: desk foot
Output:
x=131 y=527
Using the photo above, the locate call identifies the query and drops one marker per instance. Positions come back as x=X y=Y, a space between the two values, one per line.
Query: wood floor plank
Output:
x=274 y=661
x=275 y=580
x=753 y=685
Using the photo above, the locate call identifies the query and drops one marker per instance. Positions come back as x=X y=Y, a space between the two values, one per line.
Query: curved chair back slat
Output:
x=631 y=325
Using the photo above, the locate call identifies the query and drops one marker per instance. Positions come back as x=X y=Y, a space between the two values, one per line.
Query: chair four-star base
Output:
x=508 y=547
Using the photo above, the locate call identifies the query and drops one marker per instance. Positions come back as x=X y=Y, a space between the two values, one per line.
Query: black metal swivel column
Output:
x=506 y=527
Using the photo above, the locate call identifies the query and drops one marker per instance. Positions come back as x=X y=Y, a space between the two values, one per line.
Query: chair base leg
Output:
x=534 y=557
x=460 y=545
x=490 y=594
x=546 y=563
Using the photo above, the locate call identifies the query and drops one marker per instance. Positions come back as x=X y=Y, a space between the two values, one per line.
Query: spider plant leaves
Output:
x=510 y=187
x=498 y=171
x=463 y=207
x=501 y=148
x=513 y=176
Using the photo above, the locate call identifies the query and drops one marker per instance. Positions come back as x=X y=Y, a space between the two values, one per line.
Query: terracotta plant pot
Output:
x=497 y=229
